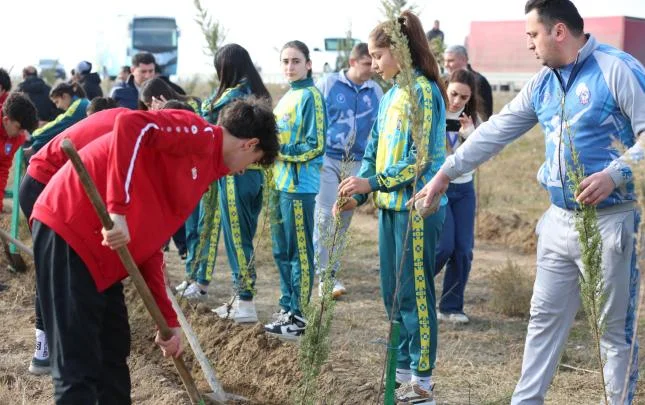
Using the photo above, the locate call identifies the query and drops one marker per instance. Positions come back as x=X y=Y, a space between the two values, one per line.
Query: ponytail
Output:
x=422 y=57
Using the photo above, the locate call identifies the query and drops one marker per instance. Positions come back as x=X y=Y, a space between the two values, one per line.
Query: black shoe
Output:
x=288 y=327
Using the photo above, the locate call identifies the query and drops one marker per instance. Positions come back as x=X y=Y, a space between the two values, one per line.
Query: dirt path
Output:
x=477 y=364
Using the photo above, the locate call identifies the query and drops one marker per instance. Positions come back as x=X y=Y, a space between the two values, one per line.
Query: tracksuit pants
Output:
x=292 y=237
x=414 y=305
x=88 y=331
x=330 y=177
x=556 y=299
x=30 y=189
x=238 y=206
x=455 y=250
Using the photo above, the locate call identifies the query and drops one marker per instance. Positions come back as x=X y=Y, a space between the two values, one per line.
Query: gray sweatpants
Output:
x=330 y=177
x=556 y=299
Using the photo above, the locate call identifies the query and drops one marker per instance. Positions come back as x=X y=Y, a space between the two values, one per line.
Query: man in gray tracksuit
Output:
x=592 y=96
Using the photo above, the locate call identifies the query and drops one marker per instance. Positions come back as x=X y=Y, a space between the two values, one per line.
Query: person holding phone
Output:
x=455 y=249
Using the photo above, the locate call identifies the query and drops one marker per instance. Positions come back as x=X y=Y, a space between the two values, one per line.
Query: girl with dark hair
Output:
x=455 y=249
x=155 y=92
x=302 y=126
x=68 y=97
x=388 y=169
x=233 y=203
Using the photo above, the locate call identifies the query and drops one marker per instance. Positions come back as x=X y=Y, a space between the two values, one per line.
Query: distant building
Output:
x=498 y=49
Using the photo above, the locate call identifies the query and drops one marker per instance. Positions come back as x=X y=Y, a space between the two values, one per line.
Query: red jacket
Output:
x=153 y=168
x=10 y=146
x=50 y=158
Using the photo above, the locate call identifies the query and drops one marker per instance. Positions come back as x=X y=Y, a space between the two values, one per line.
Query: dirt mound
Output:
x=508 y=230
x=247 y=362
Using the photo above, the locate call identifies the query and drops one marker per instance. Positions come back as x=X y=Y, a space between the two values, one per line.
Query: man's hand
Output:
x=171 y=347
x=348 y=204
x=119 y=235
x=595 y=188
x=436 y=187
x=354 y=185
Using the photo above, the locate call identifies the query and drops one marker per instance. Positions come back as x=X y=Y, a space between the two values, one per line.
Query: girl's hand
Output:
x=157 y=103
x=466 y=121
x=342 y=205
x=354 y=185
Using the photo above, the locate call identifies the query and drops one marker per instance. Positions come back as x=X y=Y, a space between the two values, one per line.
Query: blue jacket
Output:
x=74 y=113
x=211 y=108
x=391 y=155
x=126 y=94
x=593 y=103
x=351 y=112
x=300 y=115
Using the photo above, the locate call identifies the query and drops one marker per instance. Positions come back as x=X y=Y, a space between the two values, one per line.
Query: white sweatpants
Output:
x=556 y=299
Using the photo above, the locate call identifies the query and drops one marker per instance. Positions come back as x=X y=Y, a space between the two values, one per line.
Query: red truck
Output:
x=498 y=49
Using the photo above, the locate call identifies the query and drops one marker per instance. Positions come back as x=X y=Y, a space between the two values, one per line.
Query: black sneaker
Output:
x=288 y=327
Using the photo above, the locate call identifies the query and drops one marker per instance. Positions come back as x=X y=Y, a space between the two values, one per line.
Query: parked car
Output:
x=51 y=67
x=332 y=55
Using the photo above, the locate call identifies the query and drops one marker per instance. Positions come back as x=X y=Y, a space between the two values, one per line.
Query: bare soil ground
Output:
x=478 y=363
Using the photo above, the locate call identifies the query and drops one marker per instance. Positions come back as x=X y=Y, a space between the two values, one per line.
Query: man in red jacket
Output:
x=151 y=171
x=18 y=115
x=42 y=166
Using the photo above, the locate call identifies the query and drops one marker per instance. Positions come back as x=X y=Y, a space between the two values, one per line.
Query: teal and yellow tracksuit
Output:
x=296 y=174
x=76 y=111
x=238 y=205
x=389 y=165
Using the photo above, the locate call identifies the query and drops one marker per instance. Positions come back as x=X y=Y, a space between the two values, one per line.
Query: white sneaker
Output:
x=412 y=393
x=453 y=318
x=245 y=312
x=337 y=290
x=224 y=310
x=194 y=293
x=181 y=287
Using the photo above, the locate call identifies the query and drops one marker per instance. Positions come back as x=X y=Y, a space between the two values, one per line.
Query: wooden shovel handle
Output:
x=131 y=267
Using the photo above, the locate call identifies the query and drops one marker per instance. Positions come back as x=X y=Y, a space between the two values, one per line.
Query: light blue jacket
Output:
x=593 y=103
x=351 y=112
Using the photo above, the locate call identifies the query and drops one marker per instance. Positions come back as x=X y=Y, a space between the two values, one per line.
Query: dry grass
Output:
x=478 y=363
x=511 y=289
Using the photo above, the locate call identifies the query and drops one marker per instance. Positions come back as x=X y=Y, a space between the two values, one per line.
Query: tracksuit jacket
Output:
x=153 y=169
x=76 y=112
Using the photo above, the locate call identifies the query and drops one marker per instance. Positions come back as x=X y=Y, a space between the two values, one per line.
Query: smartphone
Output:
x=452 y=125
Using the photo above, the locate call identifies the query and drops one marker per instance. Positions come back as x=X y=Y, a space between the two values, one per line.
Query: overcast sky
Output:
x=68 y=30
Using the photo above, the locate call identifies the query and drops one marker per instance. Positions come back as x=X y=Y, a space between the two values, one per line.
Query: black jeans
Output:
x=30 y=189
x=87 y=330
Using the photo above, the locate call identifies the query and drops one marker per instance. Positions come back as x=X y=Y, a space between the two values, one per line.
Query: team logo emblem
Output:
x=340 y=98
x=7 y=148
x=583 y=93
x=194 y=173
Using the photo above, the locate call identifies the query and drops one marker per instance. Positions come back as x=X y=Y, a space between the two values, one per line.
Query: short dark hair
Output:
x=551 y=12
x=101 y=103
x=359 y=51
x=73 y=89
x=19 y=108
x=252 y=117
x=145 y=58
x=5 y=80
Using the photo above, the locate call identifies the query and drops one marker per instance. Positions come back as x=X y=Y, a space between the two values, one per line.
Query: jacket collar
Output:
x=301 y=84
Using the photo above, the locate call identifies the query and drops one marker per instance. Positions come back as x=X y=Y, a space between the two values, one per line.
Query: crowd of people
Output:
x=169 y=164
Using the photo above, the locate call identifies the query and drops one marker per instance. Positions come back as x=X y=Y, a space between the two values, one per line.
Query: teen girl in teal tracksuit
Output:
x=388 y=169
x=301 y=122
